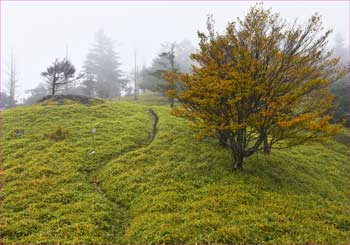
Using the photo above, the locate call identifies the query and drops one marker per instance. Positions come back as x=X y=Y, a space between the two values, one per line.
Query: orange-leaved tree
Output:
x=263 y=83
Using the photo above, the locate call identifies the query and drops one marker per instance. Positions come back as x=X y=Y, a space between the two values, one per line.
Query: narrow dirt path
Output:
x=91 y=177
x=153 y=133
x=148 y=141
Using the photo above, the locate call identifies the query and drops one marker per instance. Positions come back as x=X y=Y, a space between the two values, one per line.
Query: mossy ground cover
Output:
x=48 y=195
x=174 y=190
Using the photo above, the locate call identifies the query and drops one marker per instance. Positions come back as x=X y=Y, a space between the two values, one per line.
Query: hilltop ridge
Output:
x=144 y=178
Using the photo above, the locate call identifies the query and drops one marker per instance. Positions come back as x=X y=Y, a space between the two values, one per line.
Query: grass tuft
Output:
x=170 y=189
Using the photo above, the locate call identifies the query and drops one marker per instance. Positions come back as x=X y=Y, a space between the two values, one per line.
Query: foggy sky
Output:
x=39 y=32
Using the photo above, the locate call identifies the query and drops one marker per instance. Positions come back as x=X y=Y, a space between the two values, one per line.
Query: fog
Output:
x=39 y=32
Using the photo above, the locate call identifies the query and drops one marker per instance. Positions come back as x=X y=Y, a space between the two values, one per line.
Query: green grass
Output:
x=147 y=98
x=174 y=190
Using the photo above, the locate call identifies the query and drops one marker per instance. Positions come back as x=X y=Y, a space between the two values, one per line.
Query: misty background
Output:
x=38 y=32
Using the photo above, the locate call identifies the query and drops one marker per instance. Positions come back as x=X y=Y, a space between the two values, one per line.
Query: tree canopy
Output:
x=102 y=68
x=58 y=74
x=174 y=57
x=263 y=83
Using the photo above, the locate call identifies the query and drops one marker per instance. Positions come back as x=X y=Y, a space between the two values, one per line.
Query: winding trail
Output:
x=91 y=177
x=148 y=141
x=153 y=133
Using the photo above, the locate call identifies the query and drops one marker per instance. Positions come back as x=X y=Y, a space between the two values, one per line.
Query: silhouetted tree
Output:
x=174 y=57
x=58 y=74
x=12 y=82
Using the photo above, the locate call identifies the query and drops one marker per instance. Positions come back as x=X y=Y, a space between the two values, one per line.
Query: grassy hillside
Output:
x=167 y=189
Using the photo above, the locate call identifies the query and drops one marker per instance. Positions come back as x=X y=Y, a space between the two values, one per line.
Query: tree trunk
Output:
x=222 y=139
x=236 y=154
x=267 y=148
x=171 y=101
x=237 y=160
x=53 y=90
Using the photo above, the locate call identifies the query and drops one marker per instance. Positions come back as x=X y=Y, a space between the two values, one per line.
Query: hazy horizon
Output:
x=39 y=32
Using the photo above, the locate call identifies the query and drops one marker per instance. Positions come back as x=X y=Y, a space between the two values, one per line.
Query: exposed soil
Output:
x=60 y=99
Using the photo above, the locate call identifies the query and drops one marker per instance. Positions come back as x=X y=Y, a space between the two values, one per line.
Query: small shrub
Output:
x=57 y=134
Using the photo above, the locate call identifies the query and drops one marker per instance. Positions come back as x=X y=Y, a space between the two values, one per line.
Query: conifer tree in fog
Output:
x=102 y=68
x=175 y=57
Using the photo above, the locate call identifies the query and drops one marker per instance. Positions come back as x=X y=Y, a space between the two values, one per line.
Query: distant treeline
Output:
x=102 y=77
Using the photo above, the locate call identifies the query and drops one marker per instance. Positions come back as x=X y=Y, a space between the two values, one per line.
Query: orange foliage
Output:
x=260 y=82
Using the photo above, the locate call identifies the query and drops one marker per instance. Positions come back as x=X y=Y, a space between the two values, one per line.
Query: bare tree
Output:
x=135 y=77
x=12 y=82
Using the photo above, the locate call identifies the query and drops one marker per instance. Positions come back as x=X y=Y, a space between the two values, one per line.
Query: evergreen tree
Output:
x=174 y=57
x=341 y=88
x=102 y=68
